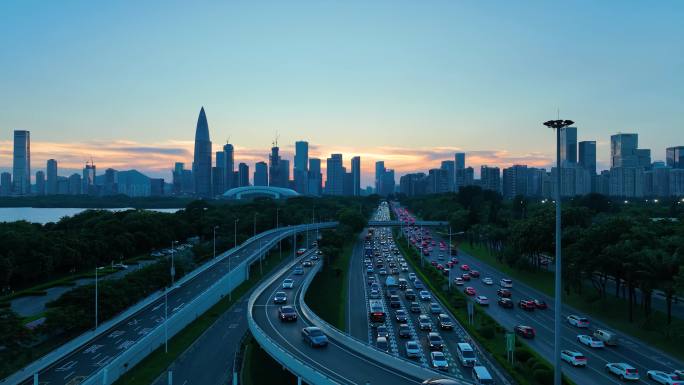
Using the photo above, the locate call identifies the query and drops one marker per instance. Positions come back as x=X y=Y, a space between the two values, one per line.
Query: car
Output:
x=280 y=297
x=287 y=313
x=401 y=316
x=434 y=263
x=424 y=295
x=573 y=358
x=482 y=300
x=505 y=303
x=370 y=269
x=439 y=361
x=679 y=373
x=623 y=371
x=418 y=285
x=404 y=331
x=487 y=281
x=301 y=251
x=412 y=349
x=381 y=343
x=314 y=336
x=382 y=272
x=446 y=272
x=506 y=283
x=288 y=283
x=465 y=267
x=374 y=294
x=504 y=293
x=469 y=291
x=390 y=292
x=465 y=277
x=664 y=378
x=445 y=322
x=590 y=341
x=577 y=321
x=298 y=270
x=415 y=308
x=526 y=304
x=524 y=331
x=435 y=341
x=404 y=268
x=424 y=322
x=541 y=305
x=394 y=302
x=382 y=331
x=412 y=276
x=458 y=281
x=440 y=267
x=435 y=308
x=315 y=257
x=410 y=295
x=474 y=273
x=609 y=338
x=307 y=263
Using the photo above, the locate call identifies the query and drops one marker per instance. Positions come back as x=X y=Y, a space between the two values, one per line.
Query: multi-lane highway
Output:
x=629 y=350
x=90 y=357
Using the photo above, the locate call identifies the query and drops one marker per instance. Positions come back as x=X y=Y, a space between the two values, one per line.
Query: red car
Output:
x=525 y=331
x=446 y=272
x=474 y=273
x=541 y=305
x=440 y=267
x=505 y=293
x=469 y=290
x=526 y=304
x=450 y=264
x=466 y=277
x=465 y=267
x=433 y=263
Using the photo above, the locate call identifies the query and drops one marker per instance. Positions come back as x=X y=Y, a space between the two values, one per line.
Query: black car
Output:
x=394 y=302
x=404 y=331
x=287 y=314
x=506 y=303
x=410 y=295
x=445 y=322
x=391 y=292
x=400 y=316
x=435 y=341
x=280 y=297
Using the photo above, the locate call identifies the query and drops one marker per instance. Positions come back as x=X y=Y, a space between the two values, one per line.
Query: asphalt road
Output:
x=335 y=360
x=92 y=356
x=357 y=316
x=630 y=350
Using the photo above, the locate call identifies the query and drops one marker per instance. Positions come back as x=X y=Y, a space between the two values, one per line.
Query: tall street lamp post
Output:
x=215 y=227
x=557 y=125
x=230 y=256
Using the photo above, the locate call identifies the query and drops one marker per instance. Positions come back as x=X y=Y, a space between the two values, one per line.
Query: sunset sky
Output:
x=407 y=82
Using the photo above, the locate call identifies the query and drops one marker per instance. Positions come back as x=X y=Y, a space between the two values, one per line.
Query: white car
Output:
x=577 y=321
x=487 y=281
x=375 y=294
x=482 y=300
x=664 y=378
x=574 y=358
x=298 y=270
x=623 y=371
x=590 y=341
x=439 y=361
x=458 y=281
x=506 y=283
x=412 y=276
x=425 y=295
x=288 y=283
x=412 y=349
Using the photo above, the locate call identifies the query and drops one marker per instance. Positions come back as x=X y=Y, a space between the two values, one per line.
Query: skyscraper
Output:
x=587 y=156
x=275 y=169
x=387 y=183
x=379 y=171
x=301 y=169
x=514 y=181
x=89 y=179
x=228 y=165
x=459 y=160
x=623 y=150
x=219 y=178
x=201 y=165
x=315 y=177
x=459 y=171
x=261 y=174
x=568 y=146
x=21 y=169
x=243 y=175
x=356 y=175
x=490 y=178
x=40 y=183
x=450 y=167
x=674 y=156
x=5 y=184
x=51 y=187
x=334 y=181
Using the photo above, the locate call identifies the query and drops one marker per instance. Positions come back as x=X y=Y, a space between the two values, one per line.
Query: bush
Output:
x=543 y=376
x=530 y=362
x=487 y=332
x=522 y=355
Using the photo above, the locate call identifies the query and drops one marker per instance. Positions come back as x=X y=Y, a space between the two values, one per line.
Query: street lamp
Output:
x=215 y=227
x=96 y=296
x=173 y=264
x=557 y=125
x=280 y=242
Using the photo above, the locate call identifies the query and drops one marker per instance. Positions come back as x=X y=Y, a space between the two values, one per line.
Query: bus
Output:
x=376 y=312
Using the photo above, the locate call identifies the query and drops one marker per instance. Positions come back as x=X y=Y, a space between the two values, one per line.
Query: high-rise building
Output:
x=261 y=174
x=110 y=186
x=21 y=169
x=278 y=170
x=626 y=182
x=243 y=175
x=413 y=184
x=459 y=160
x=347 y=183
x=177 y=176
x=459 y=171
x=219 y=177
x=88 y=179
x=75 y=184
x=51 y=187
x=535 y=178
x=5 y=184
x=201 y=165
x=315 y=177
x=568 y=146
x=387 y=182
x=490 y=178
x=228 y=166
x=356 y=175
x=587 y=156
x=515 y=181
x=674 y=156
x=643 y=158
x=676 y=182
x=334 y=181
x=623 y=150
x=450 y=167
x=379 y=171
x=437 y=181
x=301 y=167
x=40 y=183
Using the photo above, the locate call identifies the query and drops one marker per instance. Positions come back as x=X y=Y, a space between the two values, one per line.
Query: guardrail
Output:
x=298 y=367
x=199 y=305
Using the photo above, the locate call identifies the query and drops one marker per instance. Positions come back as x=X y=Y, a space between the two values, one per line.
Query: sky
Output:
x=408 y=82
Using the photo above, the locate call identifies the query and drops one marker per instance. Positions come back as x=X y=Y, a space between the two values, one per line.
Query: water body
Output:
x=44 y=215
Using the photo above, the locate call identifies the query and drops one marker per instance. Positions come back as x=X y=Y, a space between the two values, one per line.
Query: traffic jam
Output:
x=405 y=319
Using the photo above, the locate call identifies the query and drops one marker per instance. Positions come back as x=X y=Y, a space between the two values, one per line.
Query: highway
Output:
x=90 y=357
x=629 y=350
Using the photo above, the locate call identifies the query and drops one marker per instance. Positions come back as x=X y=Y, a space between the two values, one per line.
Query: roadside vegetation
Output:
x=259 y=368
x=639 y=243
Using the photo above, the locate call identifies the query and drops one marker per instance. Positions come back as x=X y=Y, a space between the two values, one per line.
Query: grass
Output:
x=327 y=295
x=612 y=311
x=259 y=368
x=149 y=369
x=529 y=368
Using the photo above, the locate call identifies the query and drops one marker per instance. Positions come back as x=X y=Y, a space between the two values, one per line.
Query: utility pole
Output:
x=230 y=257
x=96 y=296
x=255 y=224
x=173 y=265
x=215 y=227
x=280 y=242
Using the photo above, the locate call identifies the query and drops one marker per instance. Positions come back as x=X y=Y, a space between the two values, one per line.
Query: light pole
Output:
x=558 y=125
x=96 y=297
x=230 y=256
x=215 y=227
x=280 y=242
x=166 y=318
x=173 y=264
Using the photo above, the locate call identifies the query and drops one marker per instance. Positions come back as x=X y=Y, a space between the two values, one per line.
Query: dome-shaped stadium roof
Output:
x=250 y=192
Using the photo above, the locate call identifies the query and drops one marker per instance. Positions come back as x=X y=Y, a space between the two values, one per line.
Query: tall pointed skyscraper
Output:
x=201 y=166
